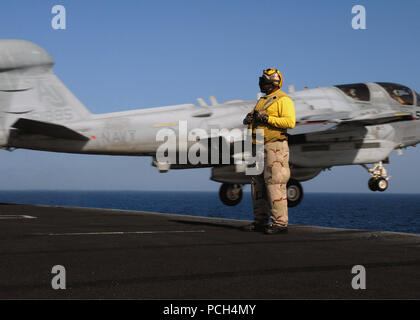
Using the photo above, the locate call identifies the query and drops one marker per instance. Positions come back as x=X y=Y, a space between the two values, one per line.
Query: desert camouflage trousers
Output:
x=269 y=193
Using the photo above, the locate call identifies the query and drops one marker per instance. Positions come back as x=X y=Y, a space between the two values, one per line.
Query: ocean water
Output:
x=372 y=211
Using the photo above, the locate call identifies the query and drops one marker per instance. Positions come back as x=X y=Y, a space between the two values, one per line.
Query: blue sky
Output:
x=119 y=55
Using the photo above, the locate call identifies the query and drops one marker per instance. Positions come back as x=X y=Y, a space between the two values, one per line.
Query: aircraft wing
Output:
x=329 y=121
x=378 y=118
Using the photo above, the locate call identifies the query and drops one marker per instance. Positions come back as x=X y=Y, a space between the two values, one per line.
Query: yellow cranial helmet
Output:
x=272 y=76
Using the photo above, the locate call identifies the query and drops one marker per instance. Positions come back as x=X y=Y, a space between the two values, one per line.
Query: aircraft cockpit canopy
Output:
x=399 y=93
x=356 y=91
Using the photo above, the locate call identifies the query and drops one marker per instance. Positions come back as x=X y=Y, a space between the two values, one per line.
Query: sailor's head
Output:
x=270 y=81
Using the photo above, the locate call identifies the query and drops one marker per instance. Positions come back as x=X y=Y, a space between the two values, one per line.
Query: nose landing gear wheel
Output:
x=294 y=193
x=230 y=194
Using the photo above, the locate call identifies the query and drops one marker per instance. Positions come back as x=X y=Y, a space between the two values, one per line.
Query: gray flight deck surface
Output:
x=129 y=254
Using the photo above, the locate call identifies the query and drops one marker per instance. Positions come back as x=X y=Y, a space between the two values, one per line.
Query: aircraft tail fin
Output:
x=30 y=89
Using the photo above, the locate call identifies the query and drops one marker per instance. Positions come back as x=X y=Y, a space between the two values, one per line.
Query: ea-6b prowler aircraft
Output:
x=338 y=125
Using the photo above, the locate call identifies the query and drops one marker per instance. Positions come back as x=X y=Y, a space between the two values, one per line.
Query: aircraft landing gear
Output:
x=294 y=193
x=230 y=194
x=379 y=177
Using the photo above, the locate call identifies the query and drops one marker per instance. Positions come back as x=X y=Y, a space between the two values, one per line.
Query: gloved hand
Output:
x=260 y=117
x=248 y=119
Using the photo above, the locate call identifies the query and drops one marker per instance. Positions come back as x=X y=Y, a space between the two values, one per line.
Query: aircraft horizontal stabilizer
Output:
x=28 y=126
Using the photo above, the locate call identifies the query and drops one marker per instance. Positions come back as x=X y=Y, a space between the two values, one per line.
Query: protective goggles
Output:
x=270 y=71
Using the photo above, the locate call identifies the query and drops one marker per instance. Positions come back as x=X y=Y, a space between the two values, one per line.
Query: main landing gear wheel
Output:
x=230 y=194
x=379 y=178
x=380 y=184
x=373 y=186
x=294 y=193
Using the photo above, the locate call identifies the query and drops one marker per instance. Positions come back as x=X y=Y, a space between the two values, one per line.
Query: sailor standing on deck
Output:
x=274 y=113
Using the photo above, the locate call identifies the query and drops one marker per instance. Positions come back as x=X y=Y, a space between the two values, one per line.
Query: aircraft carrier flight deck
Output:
x=116 y=254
